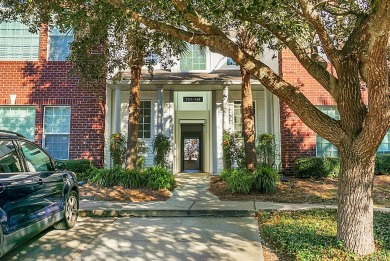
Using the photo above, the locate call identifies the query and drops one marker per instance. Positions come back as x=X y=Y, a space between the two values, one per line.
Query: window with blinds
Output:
x=17 y=43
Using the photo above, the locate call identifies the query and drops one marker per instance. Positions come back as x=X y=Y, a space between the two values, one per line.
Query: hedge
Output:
x=382 y=164
x=317 y=167
x=78 y=166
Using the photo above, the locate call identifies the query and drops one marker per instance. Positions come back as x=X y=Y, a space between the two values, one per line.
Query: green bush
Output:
x=240 y=181
x=106 y=177
x=266 y=180
x=266 y=149
x=161 y=148
x=382 y=164
x=78 y=166
x=153 y=178
x=225 y=174
x=158 y=177
x=317 y=167
x=118 y=146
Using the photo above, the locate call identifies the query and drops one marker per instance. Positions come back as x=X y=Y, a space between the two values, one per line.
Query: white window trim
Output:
x=319 y=107
x=254 y=116
x=207 y=55
x=152 y=111
x=62 y=133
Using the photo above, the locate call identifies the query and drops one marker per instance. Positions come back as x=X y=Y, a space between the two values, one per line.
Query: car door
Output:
x=48 y=184
x=16 y=190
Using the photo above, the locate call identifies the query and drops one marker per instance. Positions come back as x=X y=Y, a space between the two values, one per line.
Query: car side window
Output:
x=9 y=161
x=36 y=159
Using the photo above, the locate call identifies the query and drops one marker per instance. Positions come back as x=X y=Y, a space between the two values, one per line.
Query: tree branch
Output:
x=312 y=16
x=196 y=19
x=317 y=71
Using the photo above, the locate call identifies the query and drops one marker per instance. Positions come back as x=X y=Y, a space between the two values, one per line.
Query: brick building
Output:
x=40 y=100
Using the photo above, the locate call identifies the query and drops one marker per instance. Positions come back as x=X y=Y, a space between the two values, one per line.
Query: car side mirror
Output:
x=60 y=165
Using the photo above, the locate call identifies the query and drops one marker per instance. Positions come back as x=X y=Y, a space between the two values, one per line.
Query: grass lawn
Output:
x=305 y=191
x=311 y=235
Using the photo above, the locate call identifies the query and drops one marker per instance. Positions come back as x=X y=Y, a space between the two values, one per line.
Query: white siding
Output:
x=107 y=132
x=219 y=116
x=277 y=132
x=270 y=58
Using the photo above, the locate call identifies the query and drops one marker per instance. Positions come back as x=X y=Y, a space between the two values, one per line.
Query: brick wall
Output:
x=40 y=83
x=298 y=140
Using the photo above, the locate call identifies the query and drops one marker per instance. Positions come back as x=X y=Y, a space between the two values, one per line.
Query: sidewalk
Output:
x=191 y=198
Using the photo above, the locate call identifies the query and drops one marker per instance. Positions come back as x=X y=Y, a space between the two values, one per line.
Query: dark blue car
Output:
x=35 y=191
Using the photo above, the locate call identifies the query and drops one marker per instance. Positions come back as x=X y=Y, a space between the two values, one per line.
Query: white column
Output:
x=160 y=109
x=268 y=111
x=117 y=110
x=225 y=108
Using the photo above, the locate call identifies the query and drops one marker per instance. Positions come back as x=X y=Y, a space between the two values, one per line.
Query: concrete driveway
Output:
x=189 y=238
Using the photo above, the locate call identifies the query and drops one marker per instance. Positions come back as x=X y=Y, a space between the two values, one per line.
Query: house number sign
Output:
x=192 y=99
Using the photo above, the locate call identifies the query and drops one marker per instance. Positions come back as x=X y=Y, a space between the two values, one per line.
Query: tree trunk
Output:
x=248 y=121
x=134 y=105
x=355 y=207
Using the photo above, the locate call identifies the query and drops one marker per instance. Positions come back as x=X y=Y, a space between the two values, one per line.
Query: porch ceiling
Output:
x=180 y=81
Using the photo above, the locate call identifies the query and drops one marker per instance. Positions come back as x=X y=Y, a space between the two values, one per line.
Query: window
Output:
x=230 y=62
x=327 y=149
x=9 y=161
x=238 y=118
x=17 y=43
x=19 y=119
x=324 y=147
x=384 y=148
x=145 y=115
x=194 y=59
x=57 y=131
x=36 y=159
x=59 y=44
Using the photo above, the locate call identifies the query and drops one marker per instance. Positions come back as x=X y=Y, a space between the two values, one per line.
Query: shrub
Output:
x=141 y=151
x=265 y=180
x=132 y=179
x=266 y=149
x=225 y=174
x=153 y=178
x=78 y=166
x=382 y=164
x=106 y=177
x=158 y=177
x=239 y=181
x=118 y=148
x=228 y=147
x=316 y=167
x=161 y=148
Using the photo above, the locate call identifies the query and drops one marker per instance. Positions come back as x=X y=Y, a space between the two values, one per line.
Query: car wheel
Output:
x=71 y=212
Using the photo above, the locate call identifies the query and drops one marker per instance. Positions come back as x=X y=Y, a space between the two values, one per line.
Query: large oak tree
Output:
x=354 y=38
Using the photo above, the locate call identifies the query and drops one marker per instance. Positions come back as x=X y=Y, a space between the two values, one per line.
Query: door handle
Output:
x=40 y=182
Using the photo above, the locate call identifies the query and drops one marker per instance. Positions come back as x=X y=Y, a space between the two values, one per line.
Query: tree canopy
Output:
x=351 y=36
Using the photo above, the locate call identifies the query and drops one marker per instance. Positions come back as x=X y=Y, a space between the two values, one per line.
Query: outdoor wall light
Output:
x=13 y=98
